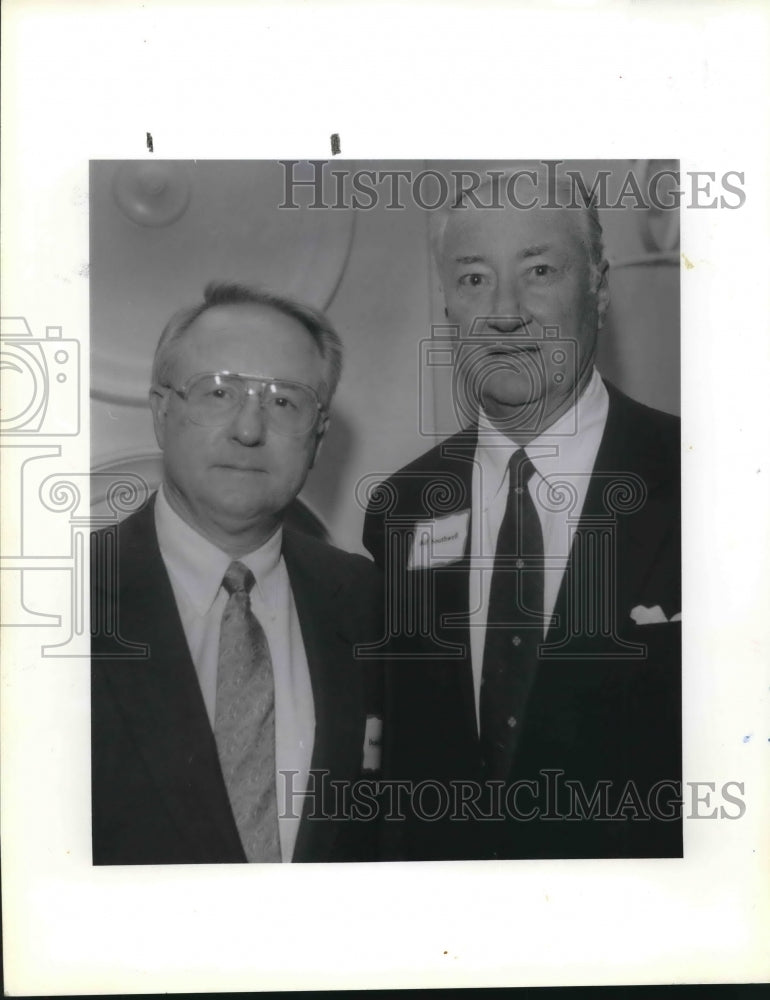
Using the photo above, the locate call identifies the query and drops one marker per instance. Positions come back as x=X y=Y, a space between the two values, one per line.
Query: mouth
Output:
x=509 y=350
x=239 y=468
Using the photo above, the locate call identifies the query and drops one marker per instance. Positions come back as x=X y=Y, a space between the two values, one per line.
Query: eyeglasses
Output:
x=214 y=398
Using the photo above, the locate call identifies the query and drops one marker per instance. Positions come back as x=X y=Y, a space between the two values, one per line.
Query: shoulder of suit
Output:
x=446 y=459
x=138 y=522
x=642 y=410
x=462 y=441
x=644 y=423
x=333 y=559
x=126 y=555
x=619 y=398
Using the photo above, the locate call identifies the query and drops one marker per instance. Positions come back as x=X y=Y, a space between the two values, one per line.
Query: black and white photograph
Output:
x=384 y=496
x=504 y=681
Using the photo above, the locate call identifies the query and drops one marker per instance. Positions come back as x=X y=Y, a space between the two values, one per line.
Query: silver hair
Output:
x=561 y=191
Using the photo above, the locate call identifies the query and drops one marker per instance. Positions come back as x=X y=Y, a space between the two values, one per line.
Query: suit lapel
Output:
x=162 y=700
x=450 y=585
x=622 y=498
x=623 y=503
x=337 y=681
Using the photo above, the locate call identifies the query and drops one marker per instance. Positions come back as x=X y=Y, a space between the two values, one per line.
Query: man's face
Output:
x=520 y=287
x=232 y=482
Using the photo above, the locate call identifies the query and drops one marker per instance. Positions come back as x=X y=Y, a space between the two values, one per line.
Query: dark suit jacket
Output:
x=604 y=701
x=158 y=792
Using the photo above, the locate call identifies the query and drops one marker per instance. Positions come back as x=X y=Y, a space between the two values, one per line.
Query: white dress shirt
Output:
x=196 y=568
x=564 y=453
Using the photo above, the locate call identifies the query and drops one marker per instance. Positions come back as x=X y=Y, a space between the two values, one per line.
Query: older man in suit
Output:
x=532 y=564
x=226 y=694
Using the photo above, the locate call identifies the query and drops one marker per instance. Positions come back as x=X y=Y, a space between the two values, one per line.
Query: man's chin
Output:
x=512 y=388
x=505 y=405
x=242 y=511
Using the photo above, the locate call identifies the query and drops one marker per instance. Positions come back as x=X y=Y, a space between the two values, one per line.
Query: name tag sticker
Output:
x=439 y=542
x=372 y=743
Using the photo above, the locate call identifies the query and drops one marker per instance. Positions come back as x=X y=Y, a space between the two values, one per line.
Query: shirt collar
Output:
x=198 y=566
x=564 y=441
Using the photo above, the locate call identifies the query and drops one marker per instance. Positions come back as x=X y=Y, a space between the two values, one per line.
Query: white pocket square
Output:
x=652 y=616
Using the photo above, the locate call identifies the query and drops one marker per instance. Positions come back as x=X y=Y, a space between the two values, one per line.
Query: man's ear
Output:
x=602 y=292
x=319 y=436
x=159 y=406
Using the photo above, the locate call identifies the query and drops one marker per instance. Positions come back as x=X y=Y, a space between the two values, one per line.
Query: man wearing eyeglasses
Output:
x=218 y=742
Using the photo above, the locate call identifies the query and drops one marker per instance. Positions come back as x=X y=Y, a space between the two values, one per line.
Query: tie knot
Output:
x=521 y=469
x=238 y=579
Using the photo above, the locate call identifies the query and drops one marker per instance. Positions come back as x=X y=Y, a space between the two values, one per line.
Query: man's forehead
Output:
x=244 y=316
x=476 y=231
x=248 y=337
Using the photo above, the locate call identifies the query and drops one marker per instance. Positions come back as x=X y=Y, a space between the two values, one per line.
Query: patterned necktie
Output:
x=244 y=725
x=514 y=622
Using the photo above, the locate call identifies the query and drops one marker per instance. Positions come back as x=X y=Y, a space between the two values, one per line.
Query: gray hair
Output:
x=560 y=191
x=219 y=293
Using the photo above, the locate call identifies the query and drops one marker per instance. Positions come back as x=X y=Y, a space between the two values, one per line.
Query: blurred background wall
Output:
x=161 y=230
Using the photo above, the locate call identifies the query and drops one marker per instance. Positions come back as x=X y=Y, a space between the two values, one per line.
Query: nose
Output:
x=250 y=422
x=507 y=316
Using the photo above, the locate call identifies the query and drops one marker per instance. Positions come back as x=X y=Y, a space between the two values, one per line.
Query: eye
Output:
x=542 y=270
x=283 y=403
x=473 y=280
x=214 y=393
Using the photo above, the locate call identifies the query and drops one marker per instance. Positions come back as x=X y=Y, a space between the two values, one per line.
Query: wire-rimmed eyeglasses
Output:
x=214 y=398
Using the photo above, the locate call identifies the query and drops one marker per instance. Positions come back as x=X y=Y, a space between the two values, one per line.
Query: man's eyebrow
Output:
x=534 y=251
